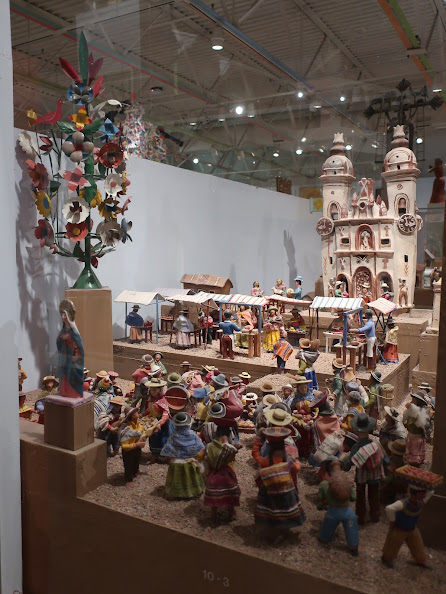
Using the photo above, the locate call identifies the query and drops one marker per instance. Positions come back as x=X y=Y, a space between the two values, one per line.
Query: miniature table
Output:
x=254 y=343
x=166 y=323
x=329 y=338
x=360 y=350
x=196 y=333
x=294 y=337
x=147 y=330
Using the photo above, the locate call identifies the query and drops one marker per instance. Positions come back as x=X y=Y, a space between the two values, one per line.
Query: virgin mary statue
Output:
x=71 y=353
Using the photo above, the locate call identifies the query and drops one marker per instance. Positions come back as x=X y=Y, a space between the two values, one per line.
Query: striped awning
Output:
x=347 y=303
x=238 y=299
x=138 y=297
x=166 y=292
x=383 y=305
x=199 y=298
x=280 y=299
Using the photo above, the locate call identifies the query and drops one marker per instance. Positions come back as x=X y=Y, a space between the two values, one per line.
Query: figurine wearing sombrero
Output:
x=404 y=514
x=157 y=358
x=183 y=328
x=337 y=387
x=371 y=407
x=326 y=422
x=392 y=427
x=106 y=426
x=278 y=506
x=157 y=408
x=416 y=419
x=131 y=444
x=272 y=327
x=370 y=337
x=135 y=322
x=308 y=356
x=50 y=385
x=368 y=457
x=301 y=406
x=390 y=352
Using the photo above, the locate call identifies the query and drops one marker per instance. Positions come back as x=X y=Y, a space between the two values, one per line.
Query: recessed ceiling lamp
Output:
x=239 y=109
x=217 y=41
x=321 y=150
x=300 y=94
x=156 y=90
x=303 y=139
x=375 y=146
x=299 y=151
x=192 y=123
x=221 y=119
x=419 y=140
x=342 y=98
x=348 y=147
x=436 y=90
x=275 y=154
x=196 y=161
x=317 y=106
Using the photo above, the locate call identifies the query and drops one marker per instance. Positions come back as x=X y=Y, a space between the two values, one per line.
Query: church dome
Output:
x=400 y=156
x=337 y=163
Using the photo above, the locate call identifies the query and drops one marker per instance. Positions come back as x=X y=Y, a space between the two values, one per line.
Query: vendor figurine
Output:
x=207 y=327
x=157 y=408
x=25 y=412
x=184 y=328
x=390 y=352
x=279 y=288
x=131 y=444
x=392 y=428
x=335 y=495
x=298 y=287
x=369 y=458
x=272 y=327
x=157 y=358
x=403 y=516
x=256 y=291
x=135 y=321
x=106 y=425
x=297 y=323
x=337 y=388
x=416 y=419
x=22 y=374
x=371 y=407
x=71 y=353
x=227 y=338
x=354 y=409
x=50 y=386
x=369 y=330
x=308 y=355
x=282 y=351
x=245 y=321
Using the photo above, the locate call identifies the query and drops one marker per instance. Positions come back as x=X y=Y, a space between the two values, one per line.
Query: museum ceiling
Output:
x=298 y=69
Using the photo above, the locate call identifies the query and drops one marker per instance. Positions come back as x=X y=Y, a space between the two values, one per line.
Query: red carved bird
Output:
x=53 y=117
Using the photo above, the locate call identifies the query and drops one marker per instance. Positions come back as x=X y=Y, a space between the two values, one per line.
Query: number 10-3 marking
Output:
x=209 y=576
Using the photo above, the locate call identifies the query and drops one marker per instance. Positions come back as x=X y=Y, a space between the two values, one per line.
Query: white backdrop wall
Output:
x=182 y=222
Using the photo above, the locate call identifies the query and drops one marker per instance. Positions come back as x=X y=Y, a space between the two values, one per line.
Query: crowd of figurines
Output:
x=193 y=420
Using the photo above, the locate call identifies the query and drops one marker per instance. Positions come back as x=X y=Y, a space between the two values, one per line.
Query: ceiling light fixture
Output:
x=221 y=119
x=342 y=98
x=299 y=151
x=348 y=147
x=419 y=140
x=196 y=161
x=275 y=154
x=156 y=90
x=239 y=109
x=321 y=150
x=192 y=123
x=317 y=106
x=300 y=94
x=217 y=41
x=436 y=90
x=303 y=139
x=375 y=146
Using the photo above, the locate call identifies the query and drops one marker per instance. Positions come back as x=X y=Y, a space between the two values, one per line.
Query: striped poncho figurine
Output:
x=282 y=351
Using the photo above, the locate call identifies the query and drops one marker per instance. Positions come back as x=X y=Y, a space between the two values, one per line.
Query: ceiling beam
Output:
x=319 y=23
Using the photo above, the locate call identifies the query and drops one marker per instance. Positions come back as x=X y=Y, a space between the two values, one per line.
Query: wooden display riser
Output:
x=127 y=358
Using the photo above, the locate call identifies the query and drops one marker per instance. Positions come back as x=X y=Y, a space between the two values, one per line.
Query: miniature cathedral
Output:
x=369 y=246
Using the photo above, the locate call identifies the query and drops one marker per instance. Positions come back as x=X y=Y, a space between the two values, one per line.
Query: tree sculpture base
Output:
x=69 y=421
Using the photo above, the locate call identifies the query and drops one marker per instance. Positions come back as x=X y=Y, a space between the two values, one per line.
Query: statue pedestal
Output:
x=69 y=421
x=94 y=321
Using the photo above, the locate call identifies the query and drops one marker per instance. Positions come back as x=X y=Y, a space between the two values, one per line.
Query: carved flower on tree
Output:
x=28 y=144
x=43 y=203
x=76 y=210
x=45 y=232
x=80 y=94
x=77 y=147
x=110 y=233
x=75 y=178
x=111 y=155
x=109 y=130
x=113 y=184
x=95 y=201
x=81 y=118
x=109 y=209
x=38 y=174
x=47 y=144
x=76 y=231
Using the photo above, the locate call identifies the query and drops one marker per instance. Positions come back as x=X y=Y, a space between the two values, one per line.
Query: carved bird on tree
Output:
x=52 y=117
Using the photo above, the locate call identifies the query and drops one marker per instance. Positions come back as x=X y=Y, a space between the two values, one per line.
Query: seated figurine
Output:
x=50 y=385
x=25 y=412
x=135 y=321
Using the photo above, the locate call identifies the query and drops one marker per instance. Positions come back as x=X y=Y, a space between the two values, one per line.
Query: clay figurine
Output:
x=246 y=323
x=184 y=328
x=282 y=351
x=227 y=338
x=354 y=409
x=50 y=386
x=416 y=419
x=369 y=458
x=308 y=355
x=157 y=358
x=25 y=412
x=256 y=290
x=337 y=387
x=87 y=380
x=404 y=514
x=22 y=374
x=297 y=323
x=437 y=196
x=278 y=507
x=370 y=337
x=390 y=352
x=279 y=288
x=335 y=495
x=71 y=353
x=131 y=444
x=245 y=377
x=298 y=287
x=183 y=448
x=371 y=407
x=106 y=425
x=393 y=484
x=207 y=327
x=402 y=293
x=338 y=288
x=135 y=321
x=392 y=428
x=272 y=327
x=157 y=408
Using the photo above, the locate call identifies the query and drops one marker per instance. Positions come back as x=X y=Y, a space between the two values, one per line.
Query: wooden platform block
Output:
x=69 y=428
x=428 y=352
x=94 y=320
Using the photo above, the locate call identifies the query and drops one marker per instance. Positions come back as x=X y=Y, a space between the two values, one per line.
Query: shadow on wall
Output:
x=40 y=287
x=291 y=256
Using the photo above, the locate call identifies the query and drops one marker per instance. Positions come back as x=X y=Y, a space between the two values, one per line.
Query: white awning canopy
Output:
x=199 y=299
x=347 y=303
x=383 y=305
x=138 y=297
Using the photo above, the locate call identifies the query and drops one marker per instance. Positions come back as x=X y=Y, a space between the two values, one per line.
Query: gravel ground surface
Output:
x=366 y=572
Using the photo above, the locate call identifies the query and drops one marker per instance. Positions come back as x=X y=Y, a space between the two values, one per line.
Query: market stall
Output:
x=140 y=298
x=200 y=299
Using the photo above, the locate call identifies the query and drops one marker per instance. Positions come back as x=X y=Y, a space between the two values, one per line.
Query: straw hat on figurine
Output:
x=207 y=369
x=272 y=308
x=185 y=364
x=301 y=379
x=101 y=374
x=155 y=382
x=267 y=387
x=113 y=375
x=50 y=378
x=274 y=434
x=155 y=369
x=182 y=419
x=270 y=399
x=217 y=411
x=117 y=400
x=319 y=399
x=338 y=363
x=86 y=371
x=278 y=417
x=420 y=396
x=282 y=406
x=174 y=378
x=425 y=386
x=304 y=343
x=398 y=447
x=349 y=375
x=251 y=397
x=244 y=375
x=219 y=381
x=158 y=353
x=363 y=423
x=128 y=412
x=377 y=376
x=392 y=412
